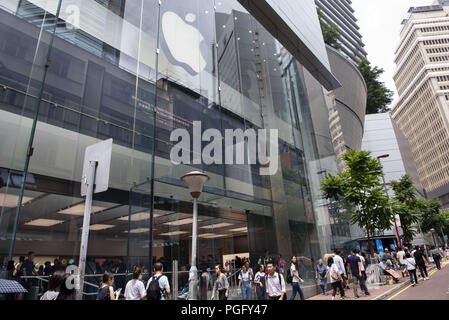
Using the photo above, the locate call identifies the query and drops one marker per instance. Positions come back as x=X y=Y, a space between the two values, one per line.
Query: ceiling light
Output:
x=43 y=222
x=174 y=233
x=179 y=222
x=78 y=210
x=244 y=229
x=10 y=200
x=142 y=216
x=98 y=227
x=204 y=235
x=212 y=236
x=183 y=221
x=217 y=225
x=139 y=230
x=136 y=217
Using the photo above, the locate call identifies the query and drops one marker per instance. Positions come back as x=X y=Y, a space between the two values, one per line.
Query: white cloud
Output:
x=380 y=25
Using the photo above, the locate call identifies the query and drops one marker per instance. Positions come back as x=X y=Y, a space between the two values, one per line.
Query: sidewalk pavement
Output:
x=376 y=293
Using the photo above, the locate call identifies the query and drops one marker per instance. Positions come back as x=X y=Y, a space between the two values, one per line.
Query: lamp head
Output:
x=195 y=181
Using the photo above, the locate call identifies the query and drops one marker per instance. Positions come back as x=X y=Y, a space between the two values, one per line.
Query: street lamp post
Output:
x=388 y=196
x=433 y=236
x=195 y=181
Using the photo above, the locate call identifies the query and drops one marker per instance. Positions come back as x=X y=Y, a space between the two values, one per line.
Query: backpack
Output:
x=289 y=276
x=280 y=283
x=154 y=291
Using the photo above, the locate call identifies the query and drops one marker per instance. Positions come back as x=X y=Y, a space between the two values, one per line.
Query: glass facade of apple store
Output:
x=134 y=71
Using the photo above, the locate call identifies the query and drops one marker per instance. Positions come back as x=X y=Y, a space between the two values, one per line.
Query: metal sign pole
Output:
x=89 y=181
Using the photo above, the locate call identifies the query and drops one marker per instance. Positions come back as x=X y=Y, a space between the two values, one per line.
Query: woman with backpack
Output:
x=106 y=290
x=135 y=290
x=260 y=283
x=336 y=278
x=296 y=279
x=245 y=283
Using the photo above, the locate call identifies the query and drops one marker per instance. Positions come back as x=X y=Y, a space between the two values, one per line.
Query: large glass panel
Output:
x=100 y=85
x=136 y=71
x=24 y=50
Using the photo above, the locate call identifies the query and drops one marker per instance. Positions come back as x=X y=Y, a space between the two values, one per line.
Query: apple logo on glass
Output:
x=183 y=42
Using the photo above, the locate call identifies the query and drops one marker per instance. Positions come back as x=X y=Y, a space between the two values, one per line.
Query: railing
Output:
x=175 y=295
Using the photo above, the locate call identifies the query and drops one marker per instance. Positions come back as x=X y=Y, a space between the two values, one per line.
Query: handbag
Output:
x=336 y=276
x=323 y=273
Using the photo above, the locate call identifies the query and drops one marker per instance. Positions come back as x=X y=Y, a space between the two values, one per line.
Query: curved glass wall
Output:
x=135 y=71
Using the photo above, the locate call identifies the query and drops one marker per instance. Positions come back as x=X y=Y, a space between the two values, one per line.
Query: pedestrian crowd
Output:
x=268 y=281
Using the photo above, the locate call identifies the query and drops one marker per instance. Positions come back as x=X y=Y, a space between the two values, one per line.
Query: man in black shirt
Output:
x=28 y=270
x=355 y=266
x=421 y=262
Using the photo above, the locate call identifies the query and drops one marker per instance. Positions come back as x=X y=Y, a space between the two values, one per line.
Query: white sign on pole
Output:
x=101 y=153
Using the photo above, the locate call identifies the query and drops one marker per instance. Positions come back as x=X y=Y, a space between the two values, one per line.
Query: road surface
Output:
x=436 y=288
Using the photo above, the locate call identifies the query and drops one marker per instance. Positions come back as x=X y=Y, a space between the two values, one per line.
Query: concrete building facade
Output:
x=347 y=114
x=422 y=80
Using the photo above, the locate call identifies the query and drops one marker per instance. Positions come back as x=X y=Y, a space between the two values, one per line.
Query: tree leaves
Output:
x=379 y=96
x=405 y=205
x=360 y=186
x=331 y=33
x=432 y=217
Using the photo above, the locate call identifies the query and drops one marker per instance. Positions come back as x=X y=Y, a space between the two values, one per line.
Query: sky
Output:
x=380 y=25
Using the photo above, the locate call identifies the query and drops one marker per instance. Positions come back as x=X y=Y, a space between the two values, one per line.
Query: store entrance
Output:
x=222 y=232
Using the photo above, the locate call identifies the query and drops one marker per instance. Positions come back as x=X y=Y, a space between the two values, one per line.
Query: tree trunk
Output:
x=370 y=244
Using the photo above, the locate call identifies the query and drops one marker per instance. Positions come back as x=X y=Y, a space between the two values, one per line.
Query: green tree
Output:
x=445 y=217
x=433 y=218
x=331 y=33
x=405 y=205
x=379 y=96
x=360 y=187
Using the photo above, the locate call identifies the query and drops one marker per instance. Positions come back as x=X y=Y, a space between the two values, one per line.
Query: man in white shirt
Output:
x=401 y=260
x=339 y=262
x=341 y=267
x=163 y=280
x=276 y=289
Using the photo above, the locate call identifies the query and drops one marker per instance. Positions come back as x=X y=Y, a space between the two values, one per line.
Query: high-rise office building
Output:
x=341 y=13
x=422 y=81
